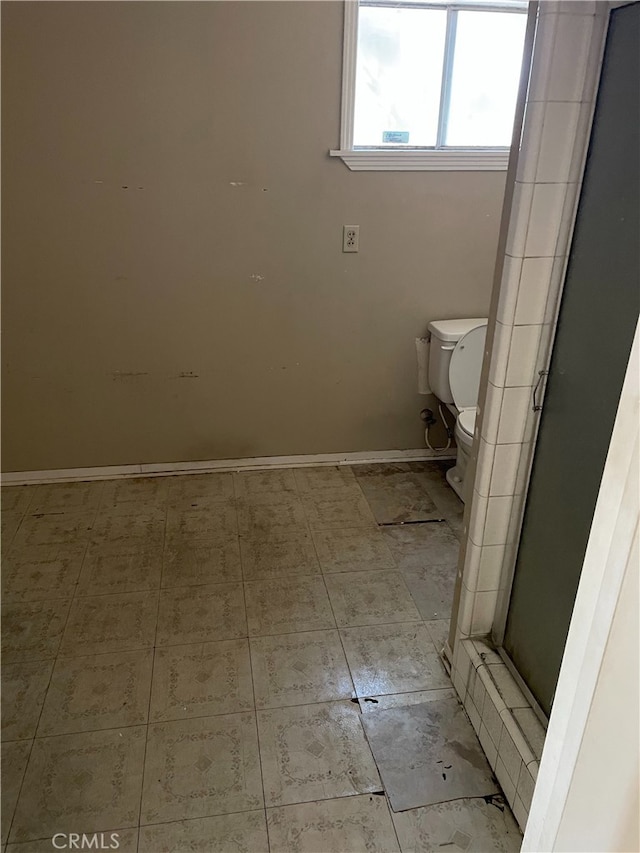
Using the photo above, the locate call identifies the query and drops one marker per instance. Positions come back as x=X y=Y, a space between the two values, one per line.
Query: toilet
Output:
x=455 y=361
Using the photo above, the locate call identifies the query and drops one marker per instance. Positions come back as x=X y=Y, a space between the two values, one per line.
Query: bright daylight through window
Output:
x=430 y=77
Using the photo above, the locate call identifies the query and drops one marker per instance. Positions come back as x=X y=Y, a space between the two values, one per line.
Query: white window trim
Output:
x=399 y=159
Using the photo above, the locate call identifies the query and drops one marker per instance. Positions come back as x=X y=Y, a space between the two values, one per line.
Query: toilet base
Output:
x=455 y=481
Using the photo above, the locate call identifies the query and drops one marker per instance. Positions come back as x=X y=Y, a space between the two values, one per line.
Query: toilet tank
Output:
x=445 y=334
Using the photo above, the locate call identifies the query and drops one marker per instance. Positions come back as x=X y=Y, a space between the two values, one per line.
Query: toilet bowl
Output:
x=463 y=432
x=456 y=351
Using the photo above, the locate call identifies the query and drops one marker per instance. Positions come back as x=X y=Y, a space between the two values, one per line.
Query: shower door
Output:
x=596 y=324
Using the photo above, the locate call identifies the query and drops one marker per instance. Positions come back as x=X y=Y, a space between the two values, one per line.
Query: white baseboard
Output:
x=256 y=463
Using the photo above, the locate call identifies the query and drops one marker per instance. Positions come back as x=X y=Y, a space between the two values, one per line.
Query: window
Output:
x=430 y=84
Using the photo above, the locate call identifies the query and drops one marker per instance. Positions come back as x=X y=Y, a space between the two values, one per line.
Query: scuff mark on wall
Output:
x=127 y=374
x=238 y=183
x=187 y=374
x=256 y=277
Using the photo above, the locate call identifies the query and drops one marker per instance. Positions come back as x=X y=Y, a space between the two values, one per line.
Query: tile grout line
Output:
x=54 y=659
x=153 y=664
x=253 y=686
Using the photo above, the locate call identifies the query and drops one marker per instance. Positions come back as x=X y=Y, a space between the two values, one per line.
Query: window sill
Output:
x=451 y=160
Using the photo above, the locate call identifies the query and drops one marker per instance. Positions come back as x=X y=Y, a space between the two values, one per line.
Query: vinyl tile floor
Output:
x=186 y=660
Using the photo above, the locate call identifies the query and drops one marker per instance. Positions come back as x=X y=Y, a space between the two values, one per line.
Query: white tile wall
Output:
x=522 y=355
x=491 y=415
x=477 y=518
x=544 y=220
x=509 y=289
x=484 y=467
x=532 y=293
x=490 y=568
x=505 y=469
x=508 y=787
x=556 y=144
x=510 y=756
x=526 y=784
x=568 y=68
x=513 y=414
x=519 y=222
x=500 y=354
x=488 y=704
x=497 y=520
x=566 y=65
x=484 y=609
x=488 y=746
x=531 y=141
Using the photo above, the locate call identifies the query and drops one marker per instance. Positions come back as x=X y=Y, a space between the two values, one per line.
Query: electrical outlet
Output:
x=350 y=238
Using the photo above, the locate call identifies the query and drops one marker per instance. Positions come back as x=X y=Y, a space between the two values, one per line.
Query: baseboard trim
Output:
x=256 y=463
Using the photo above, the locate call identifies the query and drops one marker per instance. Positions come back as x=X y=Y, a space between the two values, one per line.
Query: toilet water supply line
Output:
x=430 y=423
x=422 y=352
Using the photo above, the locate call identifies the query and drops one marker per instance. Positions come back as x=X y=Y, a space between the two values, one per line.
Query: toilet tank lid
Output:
x=453 y=330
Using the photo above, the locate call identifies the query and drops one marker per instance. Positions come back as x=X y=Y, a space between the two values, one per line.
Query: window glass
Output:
x=398 y=76
x=486 y=73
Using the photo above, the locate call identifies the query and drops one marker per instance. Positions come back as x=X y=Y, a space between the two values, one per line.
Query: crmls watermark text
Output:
x=77 y=841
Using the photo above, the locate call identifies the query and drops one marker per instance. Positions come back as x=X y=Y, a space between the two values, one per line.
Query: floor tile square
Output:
x=360 y=824
x=327 y=510
x=278 y=552
x=284 y=510
x=23 y=689
x=200 y=614
x=110 y=623
x=419 y=546
x=432 y=475
x=427 y=754
x=138 y=495
x=127 y=567
x=66 y=497
x=395 y=493
x=432 y=590
x=439 y=632
x=54 y=529
x=87 y=782
x=32 y=630
x=9 y=524
x=41 y=572
x=233 y=833
x=16 y=498
x=97 y=692
x=459 y=825
x=201 y=767
x=196 y=490
x=210 y=522
x=255 y=483
x=146 y=528
x=298 y=669
x=370 y=598
x=201 y=680
x=314 y=752
x=14 y=762
x=352 y=549
x=288 y=605
x=393 y=659
x=189 y=562
x=332 y=478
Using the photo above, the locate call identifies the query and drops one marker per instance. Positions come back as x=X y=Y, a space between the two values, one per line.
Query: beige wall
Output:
x=182 y=317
